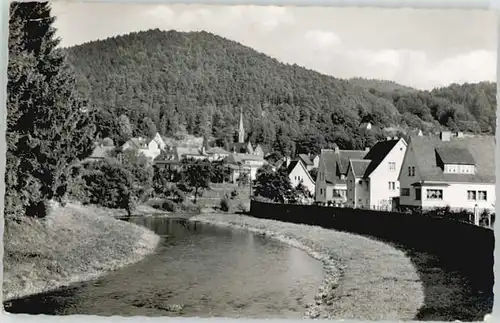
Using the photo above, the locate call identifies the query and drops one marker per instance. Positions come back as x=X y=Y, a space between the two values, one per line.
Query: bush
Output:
x=189 y=207
x=224 y=204
x=234 y=194
x=111 y=185
x=169 y=206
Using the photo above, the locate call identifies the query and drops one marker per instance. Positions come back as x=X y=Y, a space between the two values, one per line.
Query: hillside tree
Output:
x=53 y=126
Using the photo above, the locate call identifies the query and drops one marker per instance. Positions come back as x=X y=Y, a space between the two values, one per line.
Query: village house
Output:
x=331 y=185
x=372 y=181
x=448 y=170
x=216 y=153
x=298 y=173
x=102 y=150
x=150 y=147
x=244 y=163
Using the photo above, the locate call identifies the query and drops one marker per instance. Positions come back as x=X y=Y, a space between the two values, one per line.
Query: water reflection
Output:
x=211 y=271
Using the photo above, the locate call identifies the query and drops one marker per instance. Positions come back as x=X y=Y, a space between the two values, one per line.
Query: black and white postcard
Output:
x=250 y=161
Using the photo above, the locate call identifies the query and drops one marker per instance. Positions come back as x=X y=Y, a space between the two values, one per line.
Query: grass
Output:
x=73 y=243
x=365 y=279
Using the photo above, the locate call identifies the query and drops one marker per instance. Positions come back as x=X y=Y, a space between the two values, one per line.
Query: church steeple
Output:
x=241 y=130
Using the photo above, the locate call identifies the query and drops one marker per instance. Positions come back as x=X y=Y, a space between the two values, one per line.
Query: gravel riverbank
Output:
x=364 y=279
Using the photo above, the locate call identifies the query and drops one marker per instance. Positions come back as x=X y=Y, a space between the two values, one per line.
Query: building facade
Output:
x=453 y=171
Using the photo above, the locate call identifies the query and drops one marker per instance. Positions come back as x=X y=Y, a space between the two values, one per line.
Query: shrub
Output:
x=234 y=194
x=224 y=204
x=110 y=185
x=169 y=206
x=189 y=207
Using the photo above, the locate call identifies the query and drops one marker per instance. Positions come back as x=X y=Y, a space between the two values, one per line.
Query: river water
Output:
x=198 y=270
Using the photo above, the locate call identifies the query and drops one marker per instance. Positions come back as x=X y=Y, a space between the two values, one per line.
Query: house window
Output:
x=434 y=194
x=392 y=186
x=360 y=181
x=411 y=170
x=471 y=195
x=481 y=195
x=392 y=166
x=405 y=192
x=418 y=194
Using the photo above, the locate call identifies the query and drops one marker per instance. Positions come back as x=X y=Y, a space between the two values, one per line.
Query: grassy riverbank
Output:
x=364 y=279
x=73 y=243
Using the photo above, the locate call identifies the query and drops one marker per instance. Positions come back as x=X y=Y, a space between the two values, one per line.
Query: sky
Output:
x=419 y=48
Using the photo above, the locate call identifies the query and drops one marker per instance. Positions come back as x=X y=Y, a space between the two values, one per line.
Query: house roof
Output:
x=258 y=150
x=377 y=154
x=181 y=151
x=481 y=147
x=359 y=166
x=240 y=158
x=305 y=159
x=216 y=150
x=291 y=166
x=345 y=155
x=332 y=160
x=455 y=155
x=101 y=151
x=279 y=163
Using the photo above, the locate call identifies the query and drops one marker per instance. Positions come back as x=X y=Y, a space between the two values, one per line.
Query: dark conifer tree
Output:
x=52 y=123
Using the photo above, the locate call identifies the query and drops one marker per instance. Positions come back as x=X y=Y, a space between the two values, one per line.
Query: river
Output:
x=198 y=270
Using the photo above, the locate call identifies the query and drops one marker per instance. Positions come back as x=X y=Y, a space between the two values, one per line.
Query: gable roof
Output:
x=258 y=150
x=136 y=142
x=240 y=158
x=345 y=155
x=377 y=154
x=305 y=159
x=217 y=150
x=481 y=147
x=455 y=155
x=101 y=151
x=291 y=166
x=359 y=166
x=332 y=160
x=181 y=151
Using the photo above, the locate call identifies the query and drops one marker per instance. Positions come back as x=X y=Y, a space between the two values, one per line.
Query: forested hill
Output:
x=203 y=81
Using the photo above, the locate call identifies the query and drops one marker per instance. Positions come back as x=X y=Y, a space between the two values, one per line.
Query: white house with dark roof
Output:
x=298 y=173
x=458 y=172
x=372 y=181
x=331 y=185
x=150 y=147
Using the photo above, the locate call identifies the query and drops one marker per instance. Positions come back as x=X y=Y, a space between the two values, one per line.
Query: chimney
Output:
x=445 y=135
